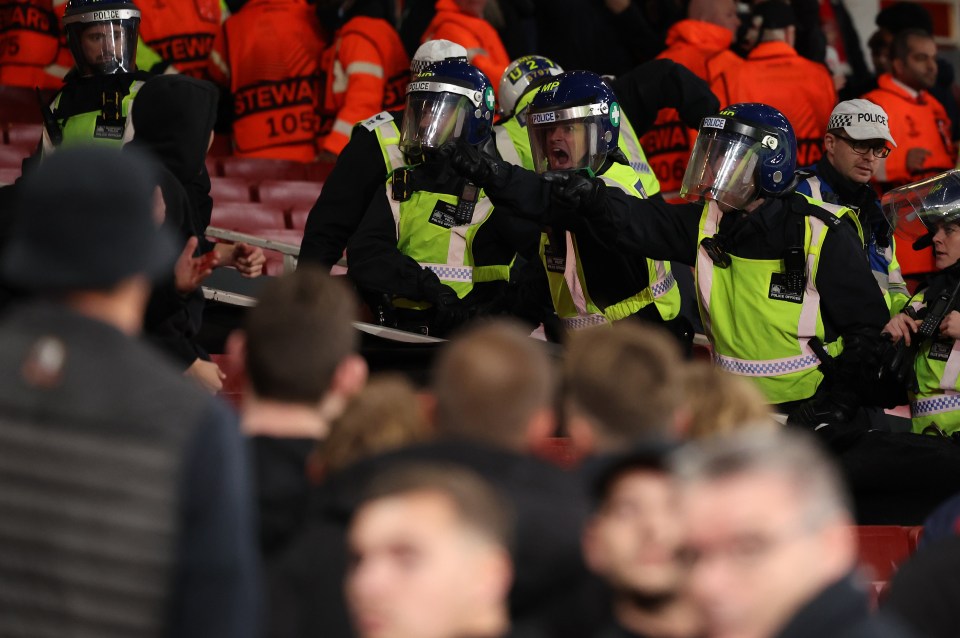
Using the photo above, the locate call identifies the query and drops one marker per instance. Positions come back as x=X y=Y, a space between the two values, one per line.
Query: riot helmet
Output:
x=102 y=35
x=917 y=210
x=521 y=76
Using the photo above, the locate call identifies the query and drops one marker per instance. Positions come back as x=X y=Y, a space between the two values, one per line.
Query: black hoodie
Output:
x=173 y=118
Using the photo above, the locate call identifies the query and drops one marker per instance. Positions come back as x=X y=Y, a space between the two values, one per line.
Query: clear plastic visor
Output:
x=723 y=168
x=100 y=48
x=916 y=209
x=432 y=119
x=566 y=145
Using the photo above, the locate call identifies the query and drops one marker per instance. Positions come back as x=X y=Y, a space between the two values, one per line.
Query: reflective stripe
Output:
x=810 y=308
x=368 y=68
x=508 y=152
x=56 y=70
x=664 y=285
x=815 y=191
x=935 y=405
x=471 y=53
x=343 y=127
x=220 y=63
x=588 y=321
x=768 y=368
x=705 y=267
x=952 y=370
x=447 y=272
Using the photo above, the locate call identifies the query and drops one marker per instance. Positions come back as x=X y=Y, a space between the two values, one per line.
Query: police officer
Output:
x=853 y=147
x=365 y=162
x=431 y=252
x=95 y=101
x=573 y=124
x=785 y=293
x=931 y=361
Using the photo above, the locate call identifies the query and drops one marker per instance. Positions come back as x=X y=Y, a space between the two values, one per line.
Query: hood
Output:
x=173 y=117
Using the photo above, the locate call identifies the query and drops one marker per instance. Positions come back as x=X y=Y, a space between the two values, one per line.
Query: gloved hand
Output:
x=449 y=312
x=575 y=191
x=469 y=161
x=827 y=409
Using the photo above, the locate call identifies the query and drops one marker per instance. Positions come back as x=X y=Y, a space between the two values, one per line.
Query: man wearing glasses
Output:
x=857 y=138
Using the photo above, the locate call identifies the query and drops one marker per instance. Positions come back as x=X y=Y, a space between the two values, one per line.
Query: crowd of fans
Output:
x=336 y=501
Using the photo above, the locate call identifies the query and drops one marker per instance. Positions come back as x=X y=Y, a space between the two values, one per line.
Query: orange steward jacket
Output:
x=484 y=48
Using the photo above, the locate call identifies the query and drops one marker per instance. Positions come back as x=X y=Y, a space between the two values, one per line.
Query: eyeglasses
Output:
x=861 y=147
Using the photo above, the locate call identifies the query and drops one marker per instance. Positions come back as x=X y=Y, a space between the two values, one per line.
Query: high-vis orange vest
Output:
x=775 y=74
x=484 y=48
x=268 y=54
x=917 y=120
x=669 y=142
x=367 y=71
x=29 y=44
x=181 y=32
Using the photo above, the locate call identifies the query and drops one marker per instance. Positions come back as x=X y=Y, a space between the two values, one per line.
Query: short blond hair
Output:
x=720 y=403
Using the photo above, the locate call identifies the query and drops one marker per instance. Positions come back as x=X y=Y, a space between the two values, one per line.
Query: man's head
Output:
x=768 y=527
x=722 y=13
x=603 y=368
x=856 y=139
x=299 y=343
x=928 y=212
x=429 y=556
x=634 y=536
x=879 y=45
x=435 y=51
x=493 y=383
x=102 y=35
x=447 y=101
x=86 y=224
x=745 y=152
x=573 y=122
x=913 y=55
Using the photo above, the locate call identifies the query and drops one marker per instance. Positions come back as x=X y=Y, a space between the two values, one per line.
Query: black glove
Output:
x=575 y=191
x=829 y=409
x=450 y=312
x=469 y=161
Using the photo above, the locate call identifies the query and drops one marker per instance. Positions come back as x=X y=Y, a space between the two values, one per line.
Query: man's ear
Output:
x=348 y=380
x=896 y=67
x=829 y=143
x=540 y=427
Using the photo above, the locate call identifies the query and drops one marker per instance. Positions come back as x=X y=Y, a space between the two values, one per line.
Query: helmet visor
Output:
x=102 y=48
x=920 y=208
x=431 y=119
x=722 y=167
x=567 y=140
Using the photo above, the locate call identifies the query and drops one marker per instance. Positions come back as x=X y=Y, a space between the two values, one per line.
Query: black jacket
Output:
x=925 y=590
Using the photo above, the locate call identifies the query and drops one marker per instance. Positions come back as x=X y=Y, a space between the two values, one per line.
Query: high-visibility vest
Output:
x=758 y=328
x=89 y=127
x=29 y=44
x=180 y=33
x=883 y=260
x=276 y=89
x=937 y=367
x=367 y=71
x=631 y=147
x=775 y=74
x=484 y=48
x=447 y=252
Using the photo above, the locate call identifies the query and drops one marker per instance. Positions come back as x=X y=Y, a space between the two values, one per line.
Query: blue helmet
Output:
x=573 y=122
x=743 y=152
x=102 y=35
x=448 y=100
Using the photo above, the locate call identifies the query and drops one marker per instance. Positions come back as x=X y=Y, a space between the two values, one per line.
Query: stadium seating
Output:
x=298 y=217
x=247 y=217
x=260 y=169
x=289 y=194
x=23 y=134
x=12 y=156
x=8 y=175
x=230 y=189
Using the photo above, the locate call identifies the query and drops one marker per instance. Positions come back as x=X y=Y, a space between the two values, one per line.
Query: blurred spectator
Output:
x=879 y=45
x=844 y=54
x=366 y=69
x=126 y=502
x=917 y=119
x=384 y=416
x=858 y=138
x=771 y=546
x=944 y=522
x=694 y=42
x=461 y=21
x=633 y=542
x=429 y=556
x=299 y=349
x=514 y=21
x=775 y=74
x=717 y=402
x=30 y=31
x=361 y=171
x=181 y=34
x=603 y=368
x=925 y=590
x=267 y=55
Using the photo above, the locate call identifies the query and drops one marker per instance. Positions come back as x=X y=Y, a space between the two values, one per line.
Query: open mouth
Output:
x=559 y=156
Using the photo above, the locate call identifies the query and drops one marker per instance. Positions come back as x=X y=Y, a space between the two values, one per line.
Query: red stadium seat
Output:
x=883 y=548
x=13 y=156
x=235 y=382
x=213 y=167
x=274 y=265
x=247 y=217
x=9 y=175
x=289 y=193
x=23 y=134
x=221 y=146
x=19 y=104
x=913 y=536
x=318 y=171
x=230 y=189
x=298 y=217
x=260 y=169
